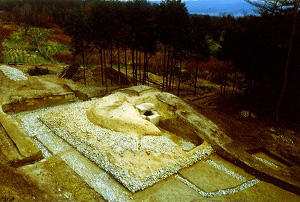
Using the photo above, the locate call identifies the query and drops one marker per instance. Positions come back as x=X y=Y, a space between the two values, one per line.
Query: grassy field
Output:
x=18 y=48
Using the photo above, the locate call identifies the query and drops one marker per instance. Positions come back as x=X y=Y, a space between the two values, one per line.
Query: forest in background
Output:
x=165 y=39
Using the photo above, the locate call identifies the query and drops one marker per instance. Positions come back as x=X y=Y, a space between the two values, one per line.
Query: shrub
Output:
x=37 y=71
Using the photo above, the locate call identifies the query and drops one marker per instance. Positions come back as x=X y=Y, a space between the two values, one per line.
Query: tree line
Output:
x=141 y=29
x=138 y=28
x=264 y=47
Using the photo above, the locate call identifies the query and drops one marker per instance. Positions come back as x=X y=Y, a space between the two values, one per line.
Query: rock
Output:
x=145 y=107
x=153 y=118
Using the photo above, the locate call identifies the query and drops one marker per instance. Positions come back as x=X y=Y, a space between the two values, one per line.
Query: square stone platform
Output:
x=135 y=161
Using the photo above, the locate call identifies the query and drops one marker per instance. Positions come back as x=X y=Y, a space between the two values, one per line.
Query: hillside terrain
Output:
x=253 y=160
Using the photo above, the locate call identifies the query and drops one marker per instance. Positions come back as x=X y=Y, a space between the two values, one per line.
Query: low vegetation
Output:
x=33 y=46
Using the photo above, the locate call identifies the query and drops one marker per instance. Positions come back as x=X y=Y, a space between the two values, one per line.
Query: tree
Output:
x=99 y=27
x=149 y=37
x=285 y=77
x=78 y=27
x=273 y=7
x=228 y=49
x=140 y=34
x=37 y=38
x=282 y=8
x=173 y=24
x=199 y=47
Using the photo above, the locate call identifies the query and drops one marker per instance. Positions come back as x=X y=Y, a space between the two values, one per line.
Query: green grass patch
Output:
x=27 y=57
x=22 y=47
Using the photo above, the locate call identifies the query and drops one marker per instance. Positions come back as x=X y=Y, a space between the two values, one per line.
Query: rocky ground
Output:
x=66 y=173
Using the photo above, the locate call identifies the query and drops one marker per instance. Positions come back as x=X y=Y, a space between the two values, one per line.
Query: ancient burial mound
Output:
x=139 y=135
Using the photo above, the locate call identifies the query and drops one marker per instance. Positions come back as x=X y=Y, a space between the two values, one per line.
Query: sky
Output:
x=219 y=7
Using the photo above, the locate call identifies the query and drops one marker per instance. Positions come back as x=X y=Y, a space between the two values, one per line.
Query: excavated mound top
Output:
x=117 y=113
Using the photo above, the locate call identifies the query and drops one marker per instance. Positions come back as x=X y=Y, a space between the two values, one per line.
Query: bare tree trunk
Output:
x=106 y=74
x=252 y=98
x=119 y=70
x=168 y=66
x=221 y=99
x=225 y=83
x=132 y=55
x=171 y=73
x=285 y=77
x=234 y=84
x=164 y=68
x=140 y=65
x=126 y=63
x=136 y=66
x=84 y=70
x=179 y=75
x=196 y=77
x=111 y=64
x=145 y=69
x=221 y=95
x=101 y=66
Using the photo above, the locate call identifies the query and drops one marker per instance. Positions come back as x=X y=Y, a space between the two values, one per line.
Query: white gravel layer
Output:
x=13 y=73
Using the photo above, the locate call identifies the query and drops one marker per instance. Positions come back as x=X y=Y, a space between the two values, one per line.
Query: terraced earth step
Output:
x=38 y=102
x=27 y=150
x=54 y=176
x=8 y=148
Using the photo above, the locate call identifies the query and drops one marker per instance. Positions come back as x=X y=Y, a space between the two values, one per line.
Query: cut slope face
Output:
x=115 y=134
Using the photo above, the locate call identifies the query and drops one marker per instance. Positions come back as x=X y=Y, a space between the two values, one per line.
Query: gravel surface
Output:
x=13 y=73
